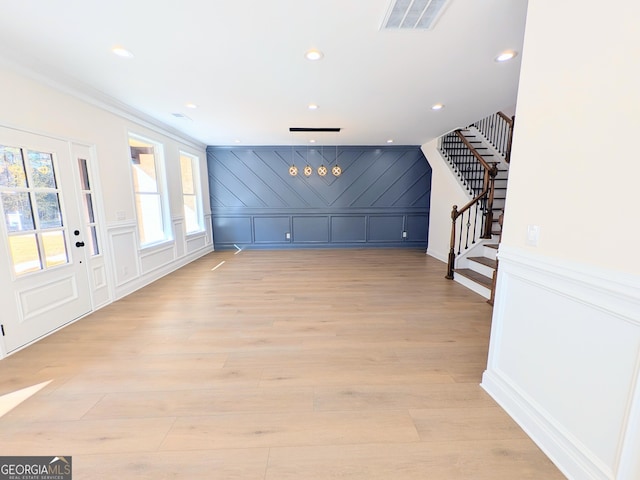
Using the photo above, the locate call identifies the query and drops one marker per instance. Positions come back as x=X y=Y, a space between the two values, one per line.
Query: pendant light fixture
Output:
x=322 y=170
x=307 y=168
x=336 y=170
x=293 y=170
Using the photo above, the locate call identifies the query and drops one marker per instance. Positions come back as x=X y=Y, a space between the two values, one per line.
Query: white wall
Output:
x=102 y=132
x=565 y=345
x=446 y=192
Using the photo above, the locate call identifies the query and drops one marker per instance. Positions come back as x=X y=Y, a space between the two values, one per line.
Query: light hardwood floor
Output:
x=278 y=365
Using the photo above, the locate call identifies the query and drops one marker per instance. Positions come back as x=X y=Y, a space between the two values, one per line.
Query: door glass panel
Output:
x=88 y=208
x=12 y=171
x=41 y=165
x=48 y=207
x=18 y=214
x=25 y=253
x=30 y=201
x=84 y=174
x=93 y=240
x=55 y=249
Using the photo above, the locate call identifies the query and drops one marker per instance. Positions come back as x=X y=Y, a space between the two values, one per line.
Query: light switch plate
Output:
x=533 y=235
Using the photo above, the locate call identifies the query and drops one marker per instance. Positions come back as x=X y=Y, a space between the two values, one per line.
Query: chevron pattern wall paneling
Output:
x=381 y=198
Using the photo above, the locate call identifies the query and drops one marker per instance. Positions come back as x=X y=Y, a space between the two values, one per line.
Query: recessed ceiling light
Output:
x=313 y=54
x=390 y=140
x=237 y=140
x=437 y=106
x=312 y=141
x=506 y=56
x=122 y=52
x=190 y=105
x=312 y=106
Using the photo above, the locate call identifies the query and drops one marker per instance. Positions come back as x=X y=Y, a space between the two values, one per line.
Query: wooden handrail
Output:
x=475 y=153
x=489 y=181
x=511 y=122
x=507 y=119
x=498 y=129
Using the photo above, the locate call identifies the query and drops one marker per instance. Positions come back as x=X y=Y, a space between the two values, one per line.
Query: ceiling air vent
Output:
x=413 y=14
x=180 y=116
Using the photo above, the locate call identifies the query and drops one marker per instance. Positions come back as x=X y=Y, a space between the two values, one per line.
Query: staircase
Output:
x=471 y=152
x=479 y=271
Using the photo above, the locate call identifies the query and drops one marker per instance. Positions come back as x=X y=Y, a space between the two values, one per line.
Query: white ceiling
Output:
x=242 y=62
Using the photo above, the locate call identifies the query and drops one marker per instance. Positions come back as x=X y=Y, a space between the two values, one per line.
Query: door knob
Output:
x=79 y=244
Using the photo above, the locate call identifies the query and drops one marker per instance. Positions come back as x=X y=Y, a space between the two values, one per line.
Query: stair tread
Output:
x=491 y=245
x=475 y=276
x=484 y=261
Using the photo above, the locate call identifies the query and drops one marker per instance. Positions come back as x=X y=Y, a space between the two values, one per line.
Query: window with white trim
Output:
x=149 y=190
x=191 y=192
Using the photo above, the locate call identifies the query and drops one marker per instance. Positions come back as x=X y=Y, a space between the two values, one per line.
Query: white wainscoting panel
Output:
x=124 y=248
x=154 y=258
x=134 y=268
x=179 y=235
x=196 y=242
x=208 y=228
x=564 y=360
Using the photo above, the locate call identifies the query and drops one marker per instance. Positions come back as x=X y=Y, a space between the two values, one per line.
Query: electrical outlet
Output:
x=287 y=236
x=404 y=234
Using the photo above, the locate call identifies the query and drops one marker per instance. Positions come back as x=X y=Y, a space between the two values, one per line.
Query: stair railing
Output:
x=474 y=220
x=498 y=130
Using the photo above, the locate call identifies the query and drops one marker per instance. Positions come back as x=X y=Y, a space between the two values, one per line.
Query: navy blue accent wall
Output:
x=381 y=199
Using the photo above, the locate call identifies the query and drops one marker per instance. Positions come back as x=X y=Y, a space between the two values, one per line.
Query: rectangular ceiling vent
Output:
x=181 y=116
x=413 y=14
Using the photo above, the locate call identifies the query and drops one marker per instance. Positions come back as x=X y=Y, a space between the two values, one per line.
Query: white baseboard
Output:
x=442 y=256
x=555 y=443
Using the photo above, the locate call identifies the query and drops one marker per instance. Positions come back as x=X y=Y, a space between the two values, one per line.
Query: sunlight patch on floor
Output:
x=11 y=400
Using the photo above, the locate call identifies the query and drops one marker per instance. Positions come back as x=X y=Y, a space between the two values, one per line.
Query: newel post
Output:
x=452 y=244
x=488 y=225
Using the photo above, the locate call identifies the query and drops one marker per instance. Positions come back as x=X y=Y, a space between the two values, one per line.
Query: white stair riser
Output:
x=481 y=269
x=490 y=253
x=471 y=285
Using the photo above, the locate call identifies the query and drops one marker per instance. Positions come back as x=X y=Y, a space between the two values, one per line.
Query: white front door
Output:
x=43 y=278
